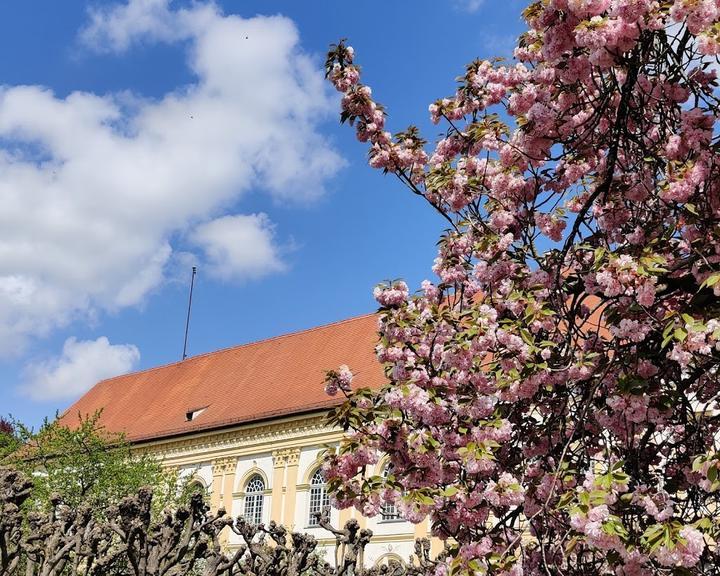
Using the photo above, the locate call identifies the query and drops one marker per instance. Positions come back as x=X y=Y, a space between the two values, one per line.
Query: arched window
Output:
x=391 y=560
x=196 y=486
x=389 y=511
x=254 y=495
x=318 y=497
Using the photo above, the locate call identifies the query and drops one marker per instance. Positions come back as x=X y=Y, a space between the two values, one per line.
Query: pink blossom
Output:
x=551 y=226
x=685 y=553
x=556 y=366
x=391 y=295
x=632 y=330
x=340 y=379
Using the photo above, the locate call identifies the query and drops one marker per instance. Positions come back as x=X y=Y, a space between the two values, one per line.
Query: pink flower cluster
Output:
x=686 y=552
x=340 y=379
x=623 y=277
x=392 y=294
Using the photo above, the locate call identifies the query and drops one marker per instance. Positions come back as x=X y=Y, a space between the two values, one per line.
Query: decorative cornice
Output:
x=241 y=437
x=293 y=458
x=288 y=456
x=224 y=466
x=279 y=459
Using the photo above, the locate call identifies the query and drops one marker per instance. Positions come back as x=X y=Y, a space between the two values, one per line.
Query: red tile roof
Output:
x=274 y=377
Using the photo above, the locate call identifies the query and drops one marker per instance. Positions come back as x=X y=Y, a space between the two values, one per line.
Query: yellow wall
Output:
x=285 y=452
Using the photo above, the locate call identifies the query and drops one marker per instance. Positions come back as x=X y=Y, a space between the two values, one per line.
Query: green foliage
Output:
x=9 y=441
x=86 y=464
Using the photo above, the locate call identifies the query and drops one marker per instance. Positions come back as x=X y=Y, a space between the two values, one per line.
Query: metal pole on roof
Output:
x=187 y=320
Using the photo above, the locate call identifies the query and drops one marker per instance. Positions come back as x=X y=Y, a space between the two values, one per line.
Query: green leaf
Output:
x=450 y=491
x=711 y=280
x=712 y=473
x=572 y=543
x=704 y=524
x=698 y=463
x=668 y=328
x=566 y=499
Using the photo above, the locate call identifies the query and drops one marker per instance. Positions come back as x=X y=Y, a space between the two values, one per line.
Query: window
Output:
x=389 y=511
x=254 y=495
x=193 y=413
x=195 y=486
x=318 y=497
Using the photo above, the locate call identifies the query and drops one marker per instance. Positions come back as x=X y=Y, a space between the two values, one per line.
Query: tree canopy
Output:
x=86 y=465
x=9 y=441
x=552 y=399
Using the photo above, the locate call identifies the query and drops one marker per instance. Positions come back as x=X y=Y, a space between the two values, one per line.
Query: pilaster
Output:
x=223 y=470
x=345 y=515
x=361 y=518
x=292 y=456
x=229 y=483
x=278 y=483
x=436 y=546
x=422 y=529
x=218 y=470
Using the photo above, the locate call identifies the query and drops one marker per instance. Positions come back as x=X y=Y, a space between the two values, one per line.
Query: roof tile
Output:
x=274 y=377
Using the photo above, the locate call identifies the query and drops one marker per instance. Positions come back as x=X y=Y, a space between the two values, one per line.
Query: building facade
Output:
x=271 y=471
x=248 y=425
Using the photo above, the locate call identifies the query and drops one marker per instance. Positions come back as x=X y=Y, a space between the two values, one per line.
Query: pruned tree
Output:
x=128 y=539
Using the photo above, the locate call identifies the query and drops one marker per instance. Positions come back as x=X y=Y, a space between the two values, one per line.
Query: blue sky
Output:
x=140 y=138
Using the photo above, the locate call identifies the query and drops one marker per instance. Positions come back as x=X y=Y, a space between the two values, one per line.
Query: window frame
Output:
x=389 y=512
x=318 y=498
x=254 y=499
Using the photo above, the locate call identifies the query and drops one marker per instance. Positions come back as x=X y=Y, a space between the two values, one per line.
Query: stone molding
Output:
x=286 y=457
x=223 y=466
x=242 y=437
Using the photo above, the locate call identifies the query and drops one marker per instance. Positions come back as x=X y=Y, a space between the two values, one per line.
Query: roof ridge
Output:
x=235 y=347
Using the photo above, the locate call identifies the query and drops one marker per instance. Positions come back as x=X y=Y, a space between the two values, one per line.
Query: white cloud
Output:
x=94 y=187
x=468 y=5
x=499 y=45
x=239 y=247
x=115 y=28
x=82 y=364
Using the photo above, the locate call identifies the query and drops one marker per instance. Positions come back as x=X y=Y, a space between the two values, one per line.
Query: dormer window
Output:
x=193 y=413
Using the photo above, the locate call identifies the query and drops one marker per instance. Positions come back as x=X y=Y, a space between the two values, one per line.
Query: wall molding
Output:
x=243 y=437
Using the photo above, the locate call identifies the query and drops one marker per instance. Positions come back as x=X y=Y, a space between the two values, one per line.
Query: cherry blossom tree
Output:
x=552 y=399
